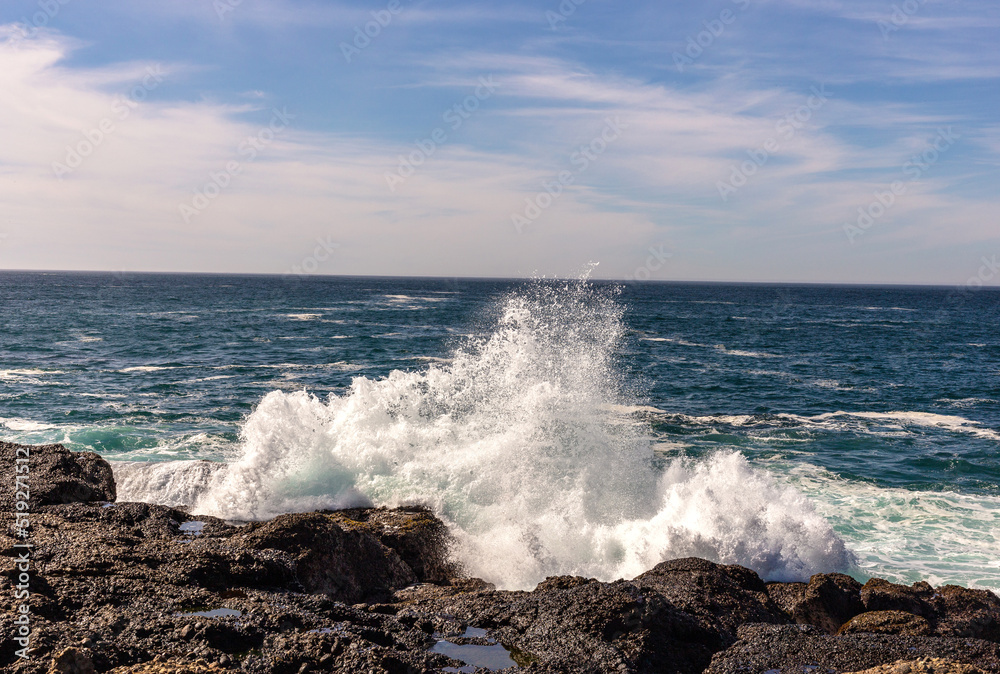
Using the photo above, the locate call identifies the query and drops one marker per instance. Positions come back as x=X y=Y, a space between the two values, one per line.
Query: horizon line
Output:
x=302 y=277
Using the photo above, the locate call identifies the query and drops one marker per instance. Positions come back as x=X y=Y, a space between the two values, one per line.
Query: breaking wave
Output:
x=517 y=442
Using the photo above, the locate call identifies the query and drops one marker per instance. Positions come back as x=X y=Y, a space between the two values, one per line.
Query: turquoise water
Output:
x=880 y=405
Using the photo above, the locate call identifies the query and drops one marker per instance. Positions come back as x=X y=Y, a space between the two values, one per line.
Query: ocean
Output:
x=558 y=427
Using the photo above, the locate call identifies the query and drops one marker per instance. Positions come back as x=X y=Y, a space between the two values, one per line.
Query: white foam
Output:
x=906 y=536
x=303 y=317
x=518 y=445
x=25 y=425
x=927 y=419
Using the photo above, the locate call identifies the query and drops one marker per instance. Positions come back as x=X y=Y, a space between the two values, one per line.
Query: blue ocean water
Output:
x=559 y=426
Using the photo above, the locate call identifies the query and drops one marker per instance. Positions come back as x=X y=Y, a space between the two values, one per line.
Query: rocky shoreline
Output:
x=134 y=587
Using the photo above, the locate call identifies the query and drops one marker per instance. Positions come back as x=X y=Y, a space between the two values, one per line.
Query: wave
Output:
x=518 y=444
x=906 y=536
x=891 y=422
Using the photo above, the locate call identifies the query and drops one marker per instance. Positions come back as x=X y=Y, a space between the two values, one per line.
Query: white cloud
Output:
x=657 y=182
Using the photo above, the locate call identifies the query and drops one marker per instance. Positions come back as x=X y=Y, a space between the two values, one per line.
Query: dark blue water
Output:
x=881 y=404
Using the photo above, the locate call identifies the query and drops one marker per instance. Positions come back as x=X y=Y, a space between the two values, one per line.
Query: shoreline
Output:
x=134 y=587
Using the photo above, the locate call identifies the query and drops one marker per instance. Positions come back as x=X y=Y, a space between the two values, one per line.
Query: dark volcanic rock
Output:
x=721 y=597
x=799 y=648
x=57 y=475
x=887 y=622
x=881 y=595
x=829 y=601
x=962 y=612
x=575 y=625
x=420 y=539
x=351 y=566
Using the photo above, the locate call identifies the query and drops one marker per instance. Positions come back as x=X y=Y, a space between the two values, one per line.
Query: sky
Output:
x=841 y=141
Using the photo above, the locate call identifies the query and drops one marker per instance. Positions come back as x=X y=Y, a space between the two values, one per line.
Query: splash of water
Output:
x=516 y=444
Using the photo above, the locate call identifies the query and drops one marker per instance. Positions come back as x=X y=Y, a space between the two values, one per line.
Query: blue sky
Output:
x=749 y=140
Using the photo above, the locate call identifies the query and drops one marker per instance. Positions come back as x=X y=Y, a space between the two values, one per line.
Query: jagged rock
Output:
x=829 y=601
x=961 y=612
x=792 y=648
x=571 y=626
x=881 y=595
x=350 y=566
x=721 y=597
x=421 y=540
x=71 y=661
x=887 y=622
x=56 y=475
x=787 y=595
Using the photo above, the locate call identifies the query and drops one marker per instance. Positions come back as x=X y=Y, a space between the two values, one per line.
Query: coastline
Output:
x=134 y=587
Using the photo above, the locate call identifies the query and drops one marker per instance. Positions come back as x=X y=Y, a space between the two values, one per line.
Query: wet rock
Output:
x=881 y=595
x=798 y=648
x=829 y=601
x=721 y=597
x=56 y=475
x=962 y=612
x=577 y=625
x=887 y=622
x=787 y=595
x=348 y=565
x=419 y=538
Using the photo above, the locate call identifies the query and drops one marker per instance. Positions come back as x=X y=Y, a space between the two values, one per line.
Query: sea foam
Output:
x=516 y=443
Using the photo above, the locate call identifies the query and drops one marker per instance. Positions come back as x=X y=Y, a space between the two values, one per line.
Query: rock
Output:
x=887 y=622
x=721 y=597
x=829 y=601
x=791 y=648
x=71 y=661
x=56 y=475
x=961 y=612
x=567 y=625
x=421 y=540
x=923 y=666
x=881 y=595
x=350 y=566
x=787 y=595
x=168 y=667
